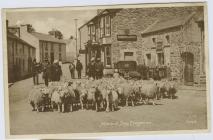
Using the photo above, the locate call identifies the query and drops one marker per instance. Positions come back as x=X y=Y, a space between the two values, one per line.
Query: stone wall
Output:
x=137 y=20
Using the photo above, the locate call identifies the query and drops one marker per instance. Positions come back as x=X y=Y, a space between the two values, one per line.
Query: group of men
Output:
x=78 y=67
x=95 y=69
x=51 y=72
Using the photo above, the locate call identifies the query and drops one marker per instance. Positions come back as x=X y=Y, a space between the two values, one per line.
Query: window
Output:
x=29 y=51
x=108 y=56
x=13 y=45
x=46 y=55
x=93 y=32
x=23 y=65
x=52 y=47
x=16 y=45
x=148 y=59
x=107 y=25
x=45 y=44
x=59 y=47
x=23 y=48
x=102 y=27
x=60 y=58
x=89 y=32
x=154 y=40
x=167 y=38
x=160 y=59
x=128 y=55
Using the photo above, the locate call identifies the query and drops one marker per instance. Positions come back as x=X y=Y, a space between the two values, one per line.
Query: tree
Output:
x=56 y=33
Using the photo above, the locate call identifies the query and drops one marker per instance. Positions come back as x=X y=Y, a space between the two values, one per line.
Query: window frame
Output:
x=106 y=56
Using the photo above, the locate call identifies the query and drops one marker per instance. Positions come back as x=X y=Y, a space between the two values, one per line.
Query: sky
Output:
x=44 y=21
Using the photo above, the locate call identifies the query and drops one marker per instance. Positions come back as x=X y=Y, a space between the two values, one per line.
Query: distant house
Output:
x=50 y=48
x=47 y=46
x=20 y=55
x=179 y=43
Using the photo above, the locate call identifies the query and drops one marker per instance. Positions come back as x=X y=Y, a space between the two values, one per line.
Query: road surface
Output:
x=188 y=112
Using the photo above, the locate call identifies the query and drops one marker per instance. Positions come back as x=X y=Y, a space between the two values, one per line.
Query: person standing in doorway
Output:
x=72 y=70
x=35 y=72
x=79 y=68
x=99 y=67
x=91 y=68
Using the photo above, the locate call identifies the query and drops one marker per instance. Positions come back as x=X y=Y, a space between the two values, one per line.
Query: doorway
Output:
x=188 y=61
x=51 y=57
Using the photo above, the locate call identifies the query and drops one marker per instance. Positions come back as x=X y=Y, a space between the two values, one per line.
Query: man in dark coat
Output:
x=46 y=73
x=99 y=67
x=79 y=68
x=91 y=68
x=35 y=72
x=57 y=72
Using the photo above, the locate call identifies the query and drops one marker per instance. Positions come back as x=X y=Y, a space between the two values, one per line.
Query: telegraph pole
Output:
x=76 y=35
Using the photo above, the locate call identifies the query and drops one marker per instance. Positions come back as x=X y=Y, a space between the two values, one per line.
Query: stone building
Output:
x=20 y=55
x=115 y=34
x=178 y=43
x=46 y=45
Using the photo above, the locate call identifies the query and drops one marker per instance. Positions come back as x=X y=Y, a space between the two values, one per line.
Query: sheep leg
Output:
x=63 y=108
x=59 y=108
x=126 y=101
x=107 y=107
x=96 y=106
x=153 y=102
x=81 y=104
x=113 y=106
x=71 y=107
x=33 y=106
x=133 y=102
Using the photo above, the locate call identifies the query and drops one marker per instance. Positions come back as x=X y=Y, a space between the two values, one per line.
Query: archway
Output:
x=188 y=61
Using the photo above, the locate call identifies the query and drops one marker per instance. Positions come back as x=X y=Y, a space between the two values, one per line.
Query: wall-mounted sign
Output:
x=126 y=37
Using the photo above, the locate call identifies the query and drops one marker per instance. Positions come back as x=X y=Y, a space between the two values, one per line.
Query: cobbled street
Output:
x=187 y=112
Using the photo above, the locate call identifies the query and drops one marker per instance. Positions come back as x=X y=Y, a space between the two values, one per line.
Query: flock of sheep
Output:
x=104 y=94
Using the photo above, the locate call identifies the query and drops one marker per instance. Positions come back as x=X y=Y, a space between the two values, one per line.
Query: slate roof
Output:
x=105 y=10
x=11 y=35
x=166 y=24
x=46 y=37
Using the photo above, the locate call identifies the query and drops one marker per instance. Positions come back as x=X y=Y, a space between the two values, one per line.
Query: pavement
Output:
x=187 y=112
